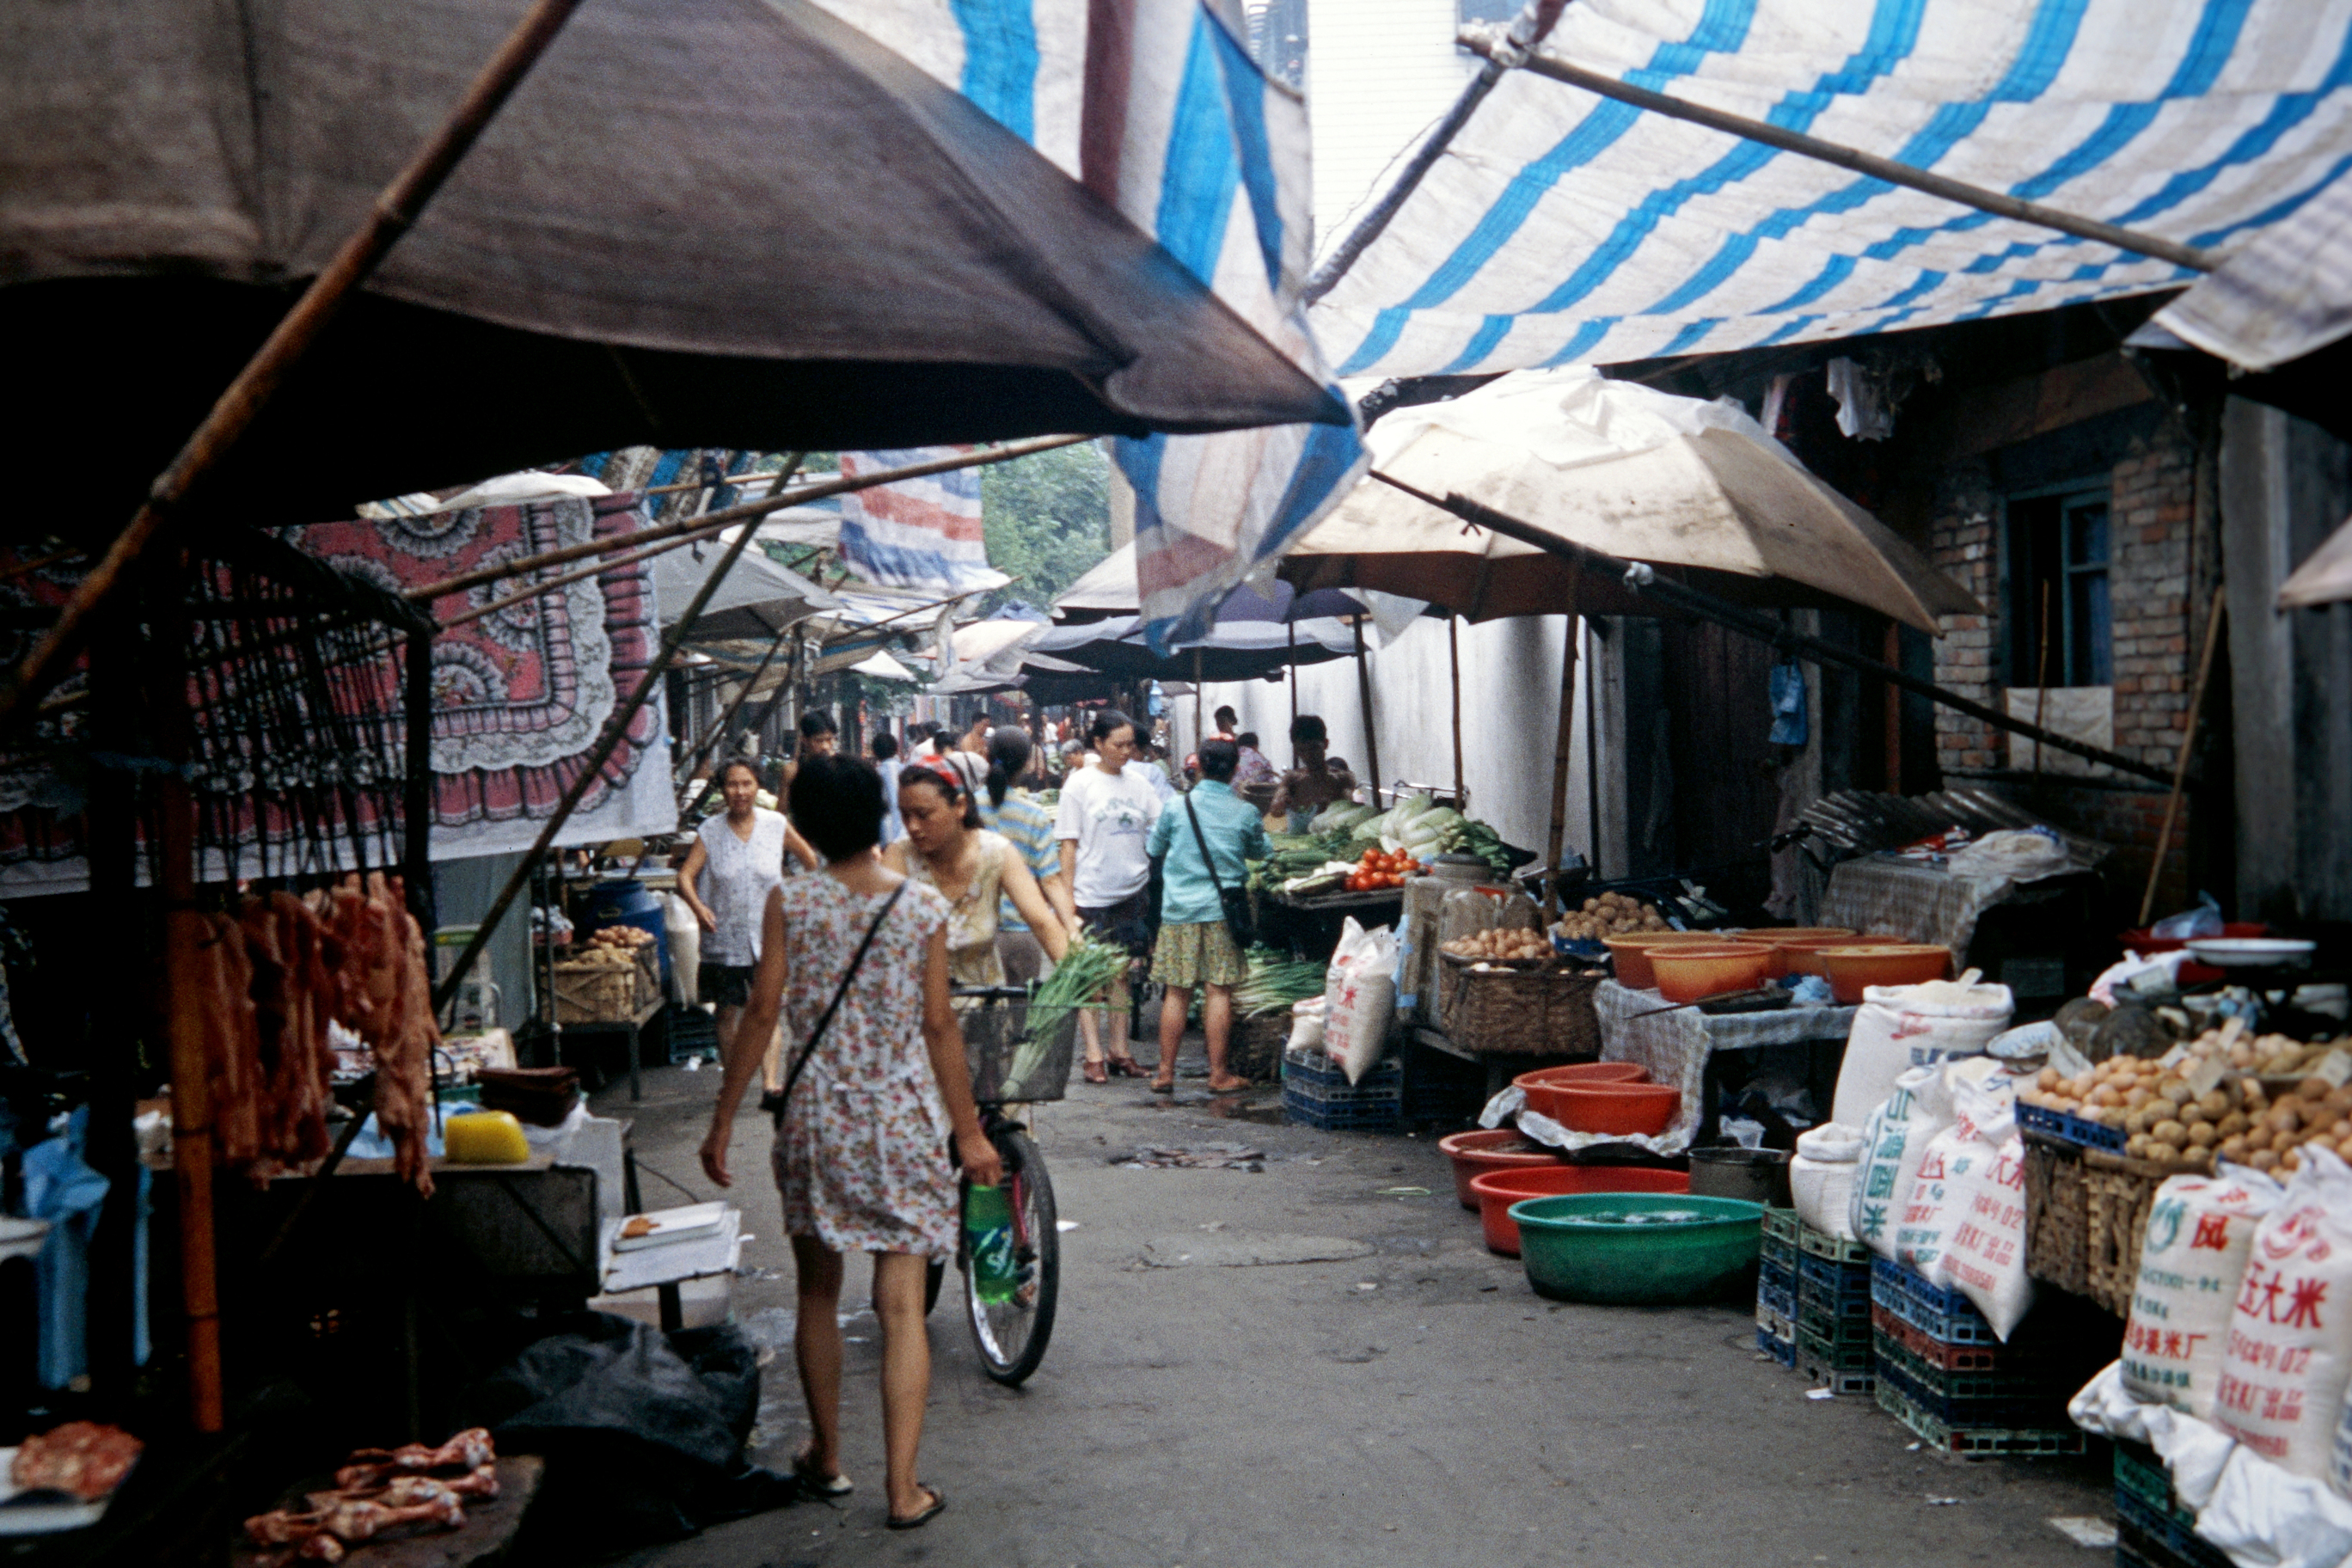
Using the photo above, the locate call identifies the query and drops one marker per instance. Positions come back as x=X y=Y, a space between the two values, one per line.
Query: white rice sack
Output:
x=1984 y=1255
x=1360 y=998
x=1306 y=1025
x=2192 y=1257
x=1895 y=1140
x=1822 y=1178
x=1984 y=1107
x=2288 y=1356
x=1899 y=1028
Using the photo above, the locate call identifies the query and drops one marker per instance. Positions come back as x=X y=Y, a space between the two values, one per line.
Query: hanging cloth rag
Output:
x=1862 y=414
x=60 y=1187
x=1788 y=706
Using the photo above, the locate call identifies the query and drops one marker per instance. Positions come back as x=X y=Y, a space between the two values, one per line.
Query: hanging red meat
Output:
x=377 y=951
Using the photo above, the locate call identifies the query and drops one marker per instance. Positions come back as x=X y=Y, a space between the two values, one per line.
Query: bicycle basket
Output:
x=1007 y=1066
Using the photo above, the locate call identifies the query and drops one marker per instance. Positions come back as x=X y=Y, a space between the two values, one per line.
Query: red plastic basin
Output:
x=1498 y=1190
x=1499 y=1150
x=1543 y=1084
x=1617 y=1108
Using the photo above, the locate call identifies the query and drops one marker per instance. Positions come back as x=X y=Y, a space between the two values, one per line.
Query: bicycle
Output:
x=1011 y=1335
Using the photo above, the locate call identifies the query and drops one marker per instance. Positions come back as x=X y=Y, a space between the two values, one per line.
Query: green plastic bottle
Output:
x=988 y=1235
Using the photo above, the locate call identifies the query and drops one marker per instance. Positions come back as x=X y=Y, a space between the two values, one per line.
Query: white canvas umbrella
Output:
x=2326 y=578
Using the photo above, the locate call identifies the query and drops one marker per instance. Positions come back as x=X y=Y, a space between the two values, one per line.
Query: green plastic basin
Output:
x=1637 y=1248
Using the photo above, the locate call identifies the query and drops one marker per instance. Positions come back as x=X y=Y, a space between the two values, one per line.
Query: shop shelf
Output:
x=1938 y=1313
x=1821 y=1244
x=1976 y=1442
x=2068 y=1129
x=1779 y=1349
x=1838 y=1354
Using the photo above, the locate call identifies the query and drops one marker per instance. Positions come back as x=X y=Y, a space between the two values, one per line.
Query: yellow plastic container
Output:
x=485 y=1137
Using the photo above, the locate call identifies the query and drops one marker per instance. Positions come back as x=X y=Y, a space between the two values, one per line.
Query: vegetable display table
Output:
x=1309 y=927
x=1679 y=1046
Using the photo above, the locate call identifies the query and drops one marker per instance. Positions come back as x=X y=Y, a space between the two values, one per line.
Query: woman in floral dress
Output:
x=861 y=1157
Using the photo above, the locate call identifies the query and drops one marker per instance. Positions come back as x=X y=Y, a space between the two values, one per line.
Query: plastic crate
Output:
x=1780 y=1325
x=1836 y=1289
x=1978 y=1441
x=1778 y=1273
x=2024 y=1385
x=1781 y=1226
x=2171 y=1533
x=1777 y=1300
x=1779 y=1349
x=1948 y=1357
x=1821 y=1244
x=1316 y=1068
x=2040 y=1408
x=1844 y=1382
x=1823 y=1323
x=2139 y=1472
x=1939 y=1313
x=1838 y=1354
x=1310 y=1105
x=1439 y=1088
x=2066 y=1129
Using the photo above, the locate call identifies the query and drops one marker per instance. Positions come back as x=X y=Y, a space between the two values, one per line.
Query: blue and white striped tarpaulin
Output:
x=1157 y=106
x=1561 y=227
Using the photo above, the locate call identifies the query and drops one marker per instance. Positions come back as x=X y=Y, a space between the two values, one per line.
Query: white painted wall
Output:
x=1379 y=73
x=1510 y=716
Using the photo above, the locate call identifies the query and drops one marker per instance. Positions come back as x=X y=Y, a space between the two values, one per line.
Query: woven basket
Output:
x=1528 y=1013
x=2057 y=1219
x=589 y=993
x=2117 y=1196
x=1254 y=1051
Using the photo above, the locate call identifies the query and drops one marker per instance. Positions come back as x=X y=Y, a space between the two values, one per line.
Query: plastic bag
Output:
x=1306 y=1025
x=2013 y=854
x=1822 y=1178
x=2205 y=919
x=1359 y=997
x=1899 y=1028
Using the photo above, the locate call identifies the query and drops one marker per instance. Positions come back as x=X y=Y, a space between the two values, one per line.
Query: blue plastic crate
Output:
x=1316 y=1093
x=1936 y=1311
x=1781 y=1226
x=1776 y=1298
x=1839 y=1355
x=1826 y=1281
x=1779 y=1349
x=1821 y=1244
x=1316 y=1068
x=2068 y=1129
x=2173 y=1531
x=1980 y=1442
x=2040 y=1409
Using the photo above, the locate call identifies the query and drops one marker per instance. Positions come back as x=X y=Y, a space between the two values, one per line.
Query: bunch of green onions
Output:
x=1085 y=972
x=1275 y=981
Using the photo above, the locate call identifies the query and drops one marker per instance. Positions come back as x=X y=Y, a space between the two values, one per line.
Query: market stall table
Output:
x=1310 y=926
x=1679 y=1046
x=2034 y=953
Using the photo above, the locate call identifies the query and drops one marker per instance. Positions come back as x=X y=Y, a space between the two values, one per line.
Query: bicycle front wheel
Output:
x=1012 y=1334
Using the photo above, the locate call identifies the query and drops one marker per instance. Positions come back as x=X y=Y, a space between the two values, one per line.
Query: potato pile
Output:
x=1611 y=914
x=614 y=946
x=2168 y=1121
x=2276 y=1055
x=1501 y=942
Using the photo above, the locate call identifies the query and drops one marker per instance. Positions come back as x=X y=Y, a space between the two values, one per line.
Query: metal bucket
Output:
x=1756 y=1175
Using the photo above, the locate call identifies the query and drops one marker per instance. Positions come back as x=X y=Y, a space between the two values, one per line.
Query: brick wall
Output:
x=2149 y=534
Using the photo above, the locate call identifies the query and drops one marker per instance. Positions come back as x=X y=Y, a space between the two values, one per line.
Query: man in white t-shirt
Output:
x=1104 y=822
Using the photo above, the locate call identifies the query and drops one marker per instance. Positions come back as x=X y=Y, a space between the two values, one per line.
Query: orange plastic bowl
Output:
x=1631 y=953
x=1781 y=938
x=1498 y=1190
x=1805 y=957
x=1543 y=1083
x=1687 y=973
x=1619 y=1108
x=1491 y=1152
x=1853 y=969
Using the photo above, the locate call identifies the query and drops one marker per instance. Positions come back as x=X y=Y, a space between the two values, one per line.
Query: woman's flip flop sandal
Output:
x=916 y=1520
x=823 y=1486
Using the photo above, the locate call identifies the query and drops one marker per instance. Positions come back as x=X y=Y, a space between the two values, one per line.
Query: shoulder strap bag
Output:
x=775 y=1104
x=1241 y=923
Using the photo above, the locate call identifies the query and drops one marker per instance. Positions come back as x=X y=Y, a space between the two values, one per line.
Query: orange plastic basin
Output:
x=1498 y=1190
x=1631 y=953
x=1781 y=938
x=1851 y=969
x=1489 y=1152
x=1805 y=957
x=1687 y=973
x=1542 y=1084
x=1617 y=1108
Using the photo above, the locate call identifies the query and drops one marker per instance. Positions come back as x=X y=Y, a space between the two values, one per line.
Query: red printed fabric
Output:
x=519 y=695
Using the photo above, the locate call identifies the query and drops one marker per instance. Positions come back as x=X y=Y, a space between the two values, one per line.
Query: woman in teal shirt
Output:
x=1194 y=947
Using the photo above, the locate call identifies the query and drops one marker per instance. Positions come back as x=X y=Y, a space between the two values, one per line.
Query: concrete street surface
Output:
x=1403 y=1398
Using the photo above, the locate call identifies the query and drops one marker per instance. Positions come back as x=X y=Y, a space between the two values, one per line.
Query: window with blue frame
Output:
x=2058 y=620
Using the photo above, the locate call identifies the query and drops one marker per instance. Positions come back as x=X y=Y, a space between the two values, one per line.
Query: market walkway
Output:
x=1415 y=1405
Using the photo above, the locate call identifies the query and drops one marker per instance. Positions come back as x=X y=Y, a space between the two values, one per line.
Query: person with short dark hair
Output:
x=1315 y=778
x=1195 y=949
x=861 y=1154
x=1103 y=821
x=1254 y=768
x=820 y=737
x=1227 y=722
x=978 y=871
x=1027 y=823
x=736 y=857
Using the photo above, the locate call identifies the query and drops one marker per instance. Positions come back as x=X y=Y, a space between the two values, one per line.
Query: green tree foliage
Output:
x=1047 y=520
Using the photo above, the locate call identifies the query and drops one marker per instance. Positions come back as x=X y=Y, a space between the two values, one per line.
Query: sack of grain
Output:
x=1359 y=997
x=1822 y=1178
x=1984 y=1115
x=1895 y=1139
x=1899 y=1028
x=2288 y=1356
x=2192 y=1257
x=1984 y=1253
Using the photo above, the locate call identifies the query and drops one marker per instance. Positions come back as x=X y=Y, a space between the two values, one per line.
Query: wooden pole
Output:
x=1364 y=699
x=1561 y=751
x=416 y=799
x=1453 y=655
x=2181 y=768
x=1291 y=629
x=1891 y=651
x=591 y=766
x=1200 y=730
x=391 y=216
x=2041 y=681
x=1866 y=163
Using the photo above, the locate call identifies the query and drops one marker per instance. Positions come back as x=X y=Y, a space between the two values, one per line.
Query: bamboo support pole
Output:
x=391 y=216
x=1364 y=701
x=591 y=766
x=1864 y=163
x=1453 y=659
x=1562 y=749
x=2180 y=767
